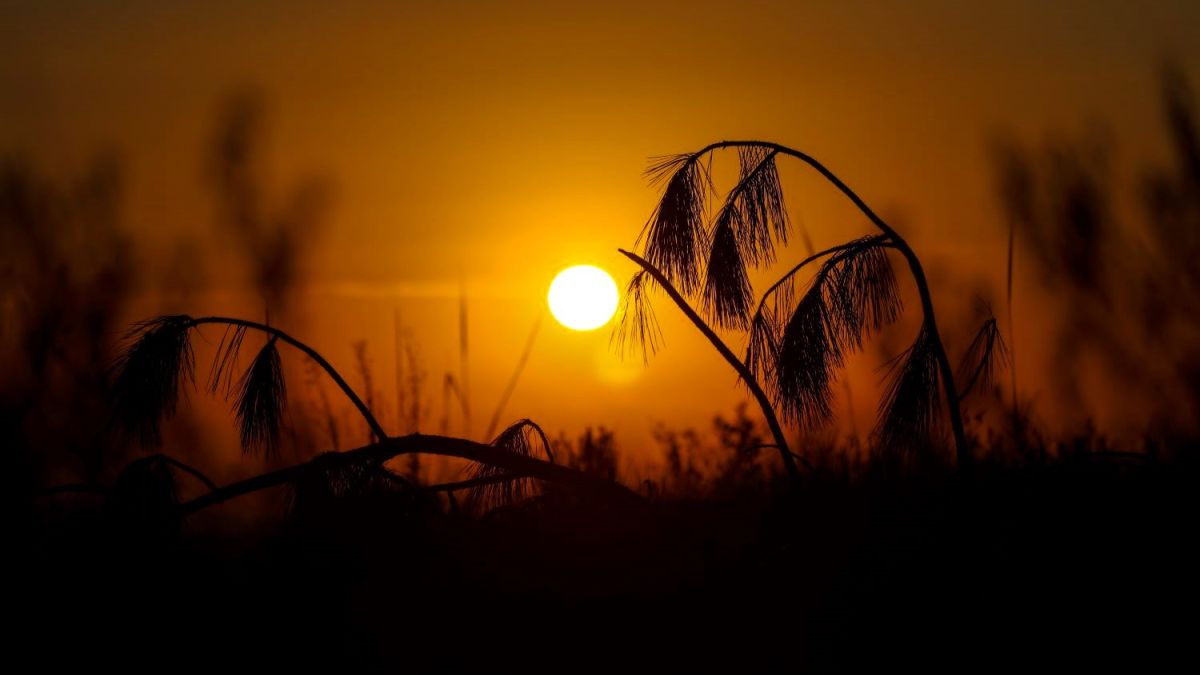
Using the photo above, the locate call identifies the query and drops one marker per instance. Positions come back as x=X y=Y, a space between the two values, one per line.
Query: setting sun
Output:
x=583 y=297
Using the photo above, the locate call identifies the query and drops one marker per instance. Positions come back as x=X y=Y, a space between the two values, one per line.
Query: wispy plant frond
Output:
x=853 y=294
x=807 y=357
x=782 y=294
x=148 y=374
x=262 y=395
x=763 y=345
x=909 y=413
x=225 y=362
x=521 y=438
x=675 y=236
x=727 y=291
x=986 y=351
x=758 y=201
x=638 y=328
x=861 y=291
x=743 y=235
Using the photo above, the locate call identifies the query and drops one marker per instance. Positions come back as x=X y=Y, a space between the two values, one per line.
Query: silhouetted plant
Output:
x=796 y=343
x=986 y=351
x=521 y=439
x=595 y=453
x=261 y=399
x=150 y=374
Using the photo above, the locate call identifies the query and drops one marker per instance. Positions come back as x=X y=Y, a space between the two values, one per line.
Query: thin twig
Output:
x=751 y=382
x=445 y=446
x=363 y=410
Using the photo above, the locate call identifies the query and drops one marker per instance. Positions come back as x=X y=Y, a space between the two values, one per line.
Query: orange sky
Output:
x=498 y=143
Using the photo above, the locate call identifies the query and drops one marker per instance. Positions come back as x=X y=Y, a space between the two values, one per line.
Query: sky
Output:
x=485 y=146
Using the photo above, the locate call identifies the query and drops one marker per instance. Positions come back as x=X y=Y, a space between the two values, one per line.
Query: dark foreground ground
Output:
x=1079 y=565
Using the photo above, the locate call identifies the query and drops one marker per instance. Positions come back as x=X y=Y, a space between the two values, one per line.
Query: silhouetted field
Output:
x=1081 y=561
x=966 y=532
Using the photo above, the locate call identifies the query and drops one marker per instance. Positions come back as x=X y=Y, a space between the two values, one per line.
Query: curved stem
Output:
x=741 y=186
x=751 y=383
x=801 y=458
x=801 y=265
x=947 y=372
x=445 y=446
x=188 y=469
x=376 y=428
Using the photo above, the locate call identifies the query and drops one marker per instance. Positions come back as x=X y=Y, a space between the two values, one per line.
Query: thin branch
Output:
x=751 y=382
x=800 y=458
x=188 y=469
x=363 y=410
x=444 y=446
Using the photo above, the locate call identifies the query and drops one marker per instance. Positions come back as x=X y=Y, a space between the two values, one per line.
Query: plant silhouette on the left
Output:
x=158 y=362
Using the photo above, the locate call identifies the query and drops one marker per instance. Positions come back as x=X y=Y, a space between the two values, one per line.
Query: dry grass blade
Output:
x=727 y=291
x=262 y=395
x=986 y=351
x=521 y=439
x=861 y=291
x=148 y=375
x=909 y=413
x=758 y=199
x=854 y=293
x=675 y=235
x=807 y=357
x=225 y=362
x=762 y=348
x=638 y=328
x=743 y=234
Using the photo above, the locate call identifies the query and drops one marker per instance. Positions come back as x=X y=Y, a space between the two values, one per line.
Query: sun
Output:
x=583 y=297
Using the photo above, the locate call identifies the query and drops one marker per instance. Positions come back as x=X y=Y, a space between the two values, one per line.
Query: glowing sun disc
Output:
x=583 y=297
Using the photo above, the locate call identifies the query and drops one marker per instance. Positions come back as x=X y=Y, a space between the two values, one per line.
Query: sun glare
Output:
x=583 y=297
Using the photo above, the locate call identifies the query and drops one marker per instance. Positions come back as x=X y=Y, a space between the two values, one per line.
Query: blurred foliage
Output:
x=67 y=272
x=1126 y=294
